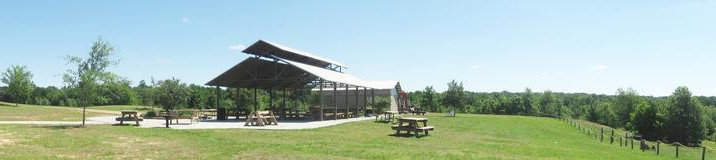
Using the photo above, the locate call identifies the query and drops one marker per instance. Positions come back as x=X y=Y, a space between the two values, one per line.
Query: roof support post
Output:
x=295 y=103
x=346 y=97
x=365 y=102
x=270 y=90
x=372 y=99
x=218 y=96
x=256 y=99
x=320 y=92
x=356 y=105
x=335 y=107
x=283 y=106
x=238 y=102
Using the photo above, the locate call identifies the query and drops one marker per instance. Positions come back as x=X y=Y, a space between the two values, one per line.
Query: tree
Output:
x=145 y=93
x=550 y=104
x=683 y=119
x=454 y=95
x=171 y=93
x=529 y=108
x=647 y=121
x=428 y=100
x=90 y=73
x=626 y=102
x=19 y=83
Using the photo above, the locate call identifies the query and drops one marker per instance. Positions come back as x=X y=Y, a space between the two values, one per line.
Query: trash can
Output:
x=221 y=114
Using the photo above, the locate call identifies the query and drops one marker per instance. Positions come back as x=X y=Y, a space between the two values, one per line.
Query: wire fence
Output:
x=627 y=140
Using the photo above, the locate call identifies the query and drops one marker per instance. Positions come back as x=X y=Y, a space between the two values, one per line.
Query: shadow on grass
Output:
x=405 y=135
x=384 y=122
x=126 y=124
x=60 y=127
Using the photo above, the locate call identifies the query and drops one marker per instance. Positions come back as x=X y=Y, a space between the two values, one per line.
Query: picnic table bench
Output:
x=261 y=118
x=411 y=125
x=128 y=115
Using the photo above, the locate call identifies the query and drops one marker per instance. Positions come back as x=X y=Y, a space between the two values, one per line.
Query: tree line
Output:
x=679 y=117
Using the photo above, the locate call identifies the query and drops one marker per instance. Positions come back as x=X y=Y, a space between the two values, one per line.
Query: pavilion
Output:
x=274 y=67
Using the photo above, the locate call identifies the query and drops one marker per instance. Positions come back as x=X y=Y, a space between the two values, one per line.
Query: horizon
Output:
x=569 y=47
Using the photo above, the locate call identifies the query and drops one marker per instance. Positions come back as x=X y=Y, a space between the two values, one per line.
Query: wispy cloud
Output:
x=474 y=66
x=163 y=61
x=599 y=67
x=237 y=47
x=185 y=20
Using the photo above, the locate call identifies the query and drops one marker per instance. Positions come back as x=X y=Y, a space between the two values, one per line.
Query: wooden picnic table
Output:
x=388 y=116
x=261 y=118
x=412 y=125
x=128 y=115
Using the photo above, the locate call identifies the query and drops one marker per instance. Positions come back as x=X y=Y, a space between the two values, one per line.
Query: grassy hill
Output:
x=462 y=137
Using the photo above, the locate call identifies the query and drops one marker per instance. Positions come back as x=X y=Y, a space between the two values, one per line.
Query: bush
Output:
x=150 y=114
x=381 y=103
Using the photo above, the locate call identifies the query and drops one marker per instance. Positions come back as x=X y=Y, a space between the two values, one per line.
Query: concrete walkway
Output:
x=232 y=123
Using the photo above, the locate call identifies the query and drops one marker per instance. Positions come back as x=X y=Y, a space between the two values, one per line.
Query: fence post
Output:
x=601 y=139
x=632 y=143
x=641 y=143
x=677 y=150
x=611 y=139
x=703 y=153
x=620 y=141
x=657 y=147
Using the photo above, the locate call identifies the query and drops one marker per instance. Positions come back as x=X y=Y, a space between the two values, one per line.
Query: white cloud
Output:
x=475 y=66
x=185 y=20
x=237 y=47
x=163 y=61
x=599 y=67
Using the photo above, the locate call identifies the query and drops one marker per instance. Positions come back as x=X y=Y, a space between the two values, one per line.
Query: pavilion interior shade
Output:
x=265 y=74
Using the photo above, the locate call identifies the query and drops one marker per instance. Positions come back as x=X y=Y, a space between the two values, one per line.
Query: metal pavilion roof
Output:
x=269 y=49
x=280 y=67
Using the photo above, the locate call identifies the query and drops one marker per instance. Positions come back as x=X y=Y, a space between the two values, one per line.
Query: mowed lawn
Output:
x=9 y=112
x=462 y=137
x=119 y=108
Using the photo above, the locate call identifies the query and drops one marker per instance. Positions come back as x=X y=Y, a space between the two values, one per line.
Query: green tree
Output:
x=550 y=104
x=454 y=96
x=145 y=93
x=683 y=119
x=529 y=108
x=90 y=73
x=647 y=121
x=429 y=99
x=626 y=102
x=19 y=83
x=171 y=93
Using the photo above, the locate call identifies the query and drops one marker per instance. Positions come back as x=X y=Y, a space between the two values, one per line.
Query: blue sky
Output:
x=568 y=46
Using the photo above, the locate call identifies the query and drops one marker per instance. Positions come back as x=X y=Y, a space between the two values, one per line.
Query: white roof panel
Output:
x=303 y=53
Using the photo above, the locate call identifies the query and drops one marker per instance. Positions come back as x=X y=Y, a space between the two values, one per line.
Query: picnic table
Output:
x=128 y=115
x=261 y=118
x=388 y=116
x=417 y=111
x=412 y=125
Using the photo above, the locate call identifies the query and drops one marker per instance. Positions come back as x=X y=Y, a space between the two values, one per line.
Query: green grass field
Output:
x=9 y=112
x=462 y=137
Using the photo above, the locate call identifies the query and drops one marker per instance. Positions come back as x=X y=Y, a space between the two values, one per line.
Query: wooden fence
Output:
x=626 y=140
